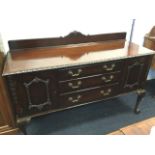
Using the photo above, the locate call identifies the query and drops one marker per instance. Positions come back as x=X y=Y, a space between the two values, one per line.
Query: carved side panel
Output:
x=133 y=75
x=13 y=92
x=35 y=86
x=33 y=93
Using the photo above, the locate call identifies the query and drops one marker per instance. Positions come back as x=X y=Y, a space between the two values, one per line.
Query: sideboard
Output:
x=52 y=74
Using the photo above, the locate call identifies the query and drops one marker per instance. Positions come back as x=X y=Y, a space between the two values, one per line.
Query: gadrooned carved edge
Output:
x=37 y=80
x=64 y=66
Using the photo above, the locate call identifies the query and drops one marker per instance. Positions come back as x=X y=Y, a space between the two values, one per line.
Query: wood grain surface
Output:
x=139 y=128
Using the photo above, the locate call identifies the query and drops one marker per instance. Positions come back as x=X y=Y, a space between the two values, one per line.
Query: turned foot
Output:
x=22 y=124
x=140 y=96
x=137 y=111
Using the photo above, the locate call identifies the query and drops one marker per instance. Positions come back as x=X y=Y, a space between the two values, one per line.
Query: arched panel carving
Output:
x=133 y=74
x=28 y=86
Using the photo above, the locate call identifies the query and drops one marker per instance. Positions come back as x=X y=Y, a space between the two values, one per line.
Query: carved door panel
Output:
x=33 y=92
x=136 y=72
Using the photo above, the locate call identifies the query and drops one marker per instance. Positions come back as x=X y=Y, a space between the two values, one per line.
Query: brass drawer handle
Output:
x=105 y=93
x=71 y=99
x=105 y=79
x=70 y=72
x=109 y=68
x=70 y=84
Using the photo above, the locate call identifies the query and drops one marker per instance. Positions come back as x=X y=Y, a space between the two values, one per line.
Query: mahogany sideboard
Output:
x=53 y=74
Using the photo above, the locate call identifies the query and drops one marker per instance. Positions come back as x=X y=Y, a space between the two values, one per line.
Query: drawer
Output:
x=72 y=99
x=87 y=82
x=82 y=71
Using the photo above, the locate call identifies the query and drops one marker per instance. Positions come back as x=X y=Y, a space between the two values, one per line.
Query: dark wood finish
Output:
x=72 y=99
x=86 y=82
x=69 y=55
x=73 y=38
x=84 y=71
x=140 y=96
x=7 y=121
x=136 y=72
x=47 y=79
x=35 y=92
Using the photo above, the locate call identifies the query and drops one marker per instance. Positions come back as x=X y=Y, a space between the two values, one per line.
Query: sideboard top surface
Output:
x=35 y=59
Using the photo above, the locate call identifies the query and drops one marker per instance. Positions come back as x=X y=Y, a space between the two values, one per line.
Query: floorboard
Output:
x=140 y=128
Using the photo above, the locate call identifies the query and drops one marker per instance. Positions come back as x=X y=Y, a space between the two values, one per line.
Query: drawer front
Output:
x=82 y=83
x=87 y=96
x=82 y=71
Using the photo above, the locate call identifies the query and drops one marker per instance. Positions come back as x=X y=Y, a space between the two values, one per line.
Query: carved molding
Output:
x=27 y=86
x=12 y=88
x=14 y=96
x=137 y=81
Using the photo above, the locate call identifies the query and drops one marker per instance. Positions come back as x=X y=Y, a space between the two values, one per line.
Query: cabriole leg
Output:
x=22 y=124
x=140 y=95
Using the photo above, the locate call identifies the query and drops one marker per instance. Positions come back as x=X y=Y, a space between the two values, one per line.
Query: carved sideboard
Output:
x=53 y=74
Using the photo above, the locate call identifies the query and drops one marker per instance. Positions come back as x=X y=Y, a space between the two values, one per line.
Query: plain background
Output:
x=20 y=19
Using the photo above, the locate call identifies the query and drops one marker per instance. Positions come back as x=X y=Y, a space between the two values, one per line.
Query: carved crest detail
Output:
x=75 y=34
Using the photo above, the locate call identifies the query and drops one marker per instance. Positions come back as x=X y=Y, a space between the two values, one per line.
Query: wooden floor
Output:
x=140 y=128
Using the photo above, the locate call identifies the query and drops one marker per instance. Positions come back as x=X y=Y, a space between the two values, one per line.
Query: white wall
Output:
x=22 y=19
x=1 y=45
x=142 y=27
x=52 y=30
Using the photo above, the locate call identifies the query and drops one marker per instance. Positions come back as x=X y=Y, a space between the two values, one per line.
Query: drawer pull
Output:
x=70 y=72
x=71 y=99
x=105 y=93
x=109 y=68
x=70 y=84
x=106 y=79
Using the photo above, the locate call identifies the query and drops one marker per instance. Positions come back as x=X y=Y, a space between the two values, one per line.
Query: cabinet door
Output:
x=32 y=92
x=136 y=71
